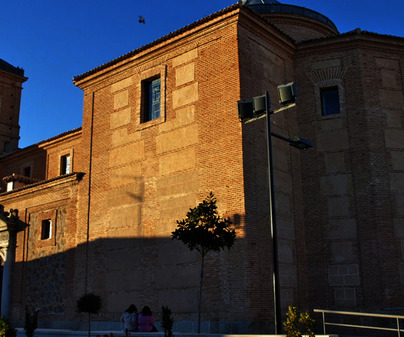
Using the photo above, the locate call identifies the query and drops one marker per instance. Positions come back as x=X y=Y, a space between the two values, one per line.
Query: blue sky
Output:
x=55 y=40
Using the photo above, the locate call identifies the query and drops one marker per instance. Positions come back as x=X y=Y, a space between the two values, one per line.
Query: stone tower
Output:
x=11 y=79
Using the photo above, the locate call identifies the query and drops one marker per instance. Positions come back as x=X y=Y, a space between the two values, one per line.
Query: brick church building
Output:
x=92 y=209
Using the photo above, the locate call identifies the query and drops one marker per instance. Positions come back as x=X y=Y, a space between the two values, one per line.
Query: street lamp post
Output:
x=250 y=110
x=274 y=235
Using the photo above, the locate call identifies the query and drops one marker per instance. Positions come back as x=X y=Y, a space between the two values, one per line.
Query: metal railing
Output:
x=397 y=319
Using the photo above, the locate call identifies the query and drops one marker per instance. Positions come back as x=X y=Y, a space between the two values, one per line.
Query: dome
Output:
x=260 y=2
x=298 y=22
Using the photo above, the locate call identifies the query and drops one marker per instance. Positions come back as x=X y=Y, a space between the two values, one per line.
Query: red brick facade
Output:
x=339 y=205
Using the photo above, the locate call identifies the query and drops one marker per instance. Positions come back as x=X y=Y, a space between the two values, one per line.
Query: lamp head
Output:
x=245 y=109
x=287 y=93
x=300 y=143
x=261 y=104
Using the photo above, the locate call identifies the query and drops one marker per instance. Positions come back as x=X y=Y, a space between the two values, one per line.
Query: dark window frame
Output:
x=330 y=101
x=65 y=164
x=151 y=98
x=46 y=229
x=27 y=171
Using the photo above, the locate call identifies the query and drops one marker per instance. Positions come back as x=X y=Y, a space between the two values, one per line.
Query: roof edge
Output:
x=5 y=66
x=154 y=43
x=354 y=32
x=74 y=176
x=32 y=146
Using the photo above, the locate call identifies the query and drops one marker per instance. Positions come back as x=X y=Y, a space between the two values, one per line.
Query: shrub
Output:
x=297 y=325
x=5 y=328
x=167 y=321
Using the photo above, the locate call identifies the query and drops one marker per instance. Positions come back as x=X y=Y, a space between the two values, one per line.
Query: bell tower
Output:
x=11 y=80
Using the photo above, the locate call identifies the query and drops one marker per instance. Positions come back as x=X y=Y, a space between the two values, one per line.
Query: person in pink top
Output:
x=145 y=322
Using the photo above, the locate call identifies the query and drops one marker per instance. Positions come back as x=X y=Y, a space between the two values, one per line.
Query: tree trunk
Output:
x=200 y=293
x=89 y=324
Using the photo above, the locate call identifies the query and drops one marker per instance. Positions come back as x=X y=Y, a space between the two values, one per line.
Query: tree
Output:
x=298 y=324
x=204 y=230
x=5 y=328
x=91 y=304
x=167 y=321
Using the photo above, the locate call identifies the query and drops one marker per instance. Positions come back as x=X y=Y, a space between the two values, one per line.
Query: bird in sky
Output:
x=141 y=19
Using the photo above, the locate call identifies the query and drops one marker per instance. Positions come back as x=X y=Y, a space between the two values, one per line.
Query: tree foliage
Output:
x=91 y=304
x=5 y=328
x=204 y=230
x=298 y=324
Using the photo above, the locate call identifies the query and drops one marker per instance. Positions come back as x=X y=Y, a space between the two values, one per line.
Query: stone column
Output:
x=9 y=259
x=10 y=225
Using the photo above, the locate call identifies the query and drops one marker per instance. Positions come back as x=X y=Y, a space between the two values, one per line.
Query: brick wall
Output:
x=351 y=206
x=145 y=176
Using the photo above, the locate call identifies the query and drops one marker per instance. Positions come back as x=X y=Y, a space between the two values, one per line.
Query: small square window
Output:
x=27 y=171
x=65 y=164
x=329 y=101
x=7 y=147
x=151 y=92
x=46 y=230
x=10 y=186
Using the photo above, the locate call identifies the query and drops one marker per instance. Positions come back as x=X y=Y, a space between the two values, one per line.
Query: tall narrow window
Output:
x=46 y=230
x=65 y=164
x=329 y=101
x=151 y=92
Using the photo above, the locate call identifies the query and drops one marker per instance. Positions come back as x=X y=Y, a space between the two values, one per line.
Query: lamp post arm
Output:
x=286 y=139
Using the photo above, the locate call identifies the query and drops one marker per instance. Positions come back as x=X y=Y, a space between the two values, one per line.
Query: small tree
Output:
x=5 y=328
x=297 y=325
x=91 y=304
x=167 y=321
x=204 y=230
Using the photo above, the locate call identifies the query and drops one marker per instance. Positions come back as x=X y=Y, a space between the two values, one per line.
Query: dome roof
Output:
x=260 y=2
x=291 y=15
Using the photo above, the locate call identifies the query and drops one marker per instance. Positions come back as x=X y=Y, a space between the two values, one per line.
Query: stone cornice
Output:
x=357 y=37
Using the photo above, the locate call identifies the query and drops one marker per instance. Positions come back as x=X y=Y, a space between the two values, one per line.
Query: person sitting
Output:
x=129 y=319
x=146 y=320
